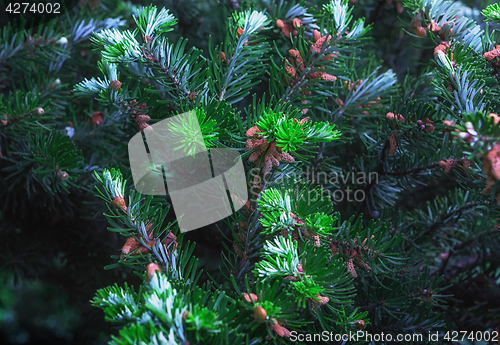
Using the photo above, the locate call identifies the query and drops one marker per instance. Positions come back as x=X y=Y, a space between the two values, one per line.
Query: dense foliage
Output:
x=369 y=133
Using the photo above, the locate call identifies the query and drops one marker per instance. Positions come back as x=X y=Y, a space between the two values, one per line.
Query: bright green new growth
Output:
x=290 y=133
x=416 y=112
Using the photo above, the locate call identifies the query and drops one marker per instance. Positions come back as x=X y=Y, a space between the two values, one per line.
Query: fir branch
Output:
x=244 y=59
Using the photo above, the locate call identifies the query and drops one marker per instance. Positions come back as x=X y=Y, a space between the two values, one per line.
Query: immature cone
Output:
x=493 y=54
x=429 y=125
x=322 y=299
x=143 y=118
x=391 y=116
x=39 y=111
x=115 y=85
x=443 y=46
x=280 y=330
x=62 y=176
x=491 y=164
x=151 y=270
x=393 y=144
x=130 y=244
x=260 y=314
x=495 y=117
x=251 y=297
x=420 y=32
x=350 y=268
x=359 y=324
x=142 y=122
x=118 y=201
x=97 y=118
x=222 y=57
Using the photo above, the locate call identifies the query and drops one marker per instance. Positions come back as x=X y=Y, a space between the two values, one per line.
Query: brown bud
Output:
x=130 y=244
x=222 y=56
x=280 y=330
x=393 y=144
x=97 y=118
x=143 y=126
x=118 y=201
x=250 y=297
x=495 y=117
x=359 y=324
x=420 y=32
x=259 y=314
x=350 y=268
x=322 y=299
x=290 y=70
x=115 y=85
x=143 y=118
x=151 y=270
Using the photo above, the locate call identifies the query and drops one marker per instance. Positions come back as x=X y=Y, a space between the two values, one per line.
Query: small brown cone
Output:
x=250 y=297
x=359 y=324
x=259 y=314
x=420 y=32
x=130 y=244
x=118 y=201
x=495 y=117
x=322 y=299
x=115 y=85
x=393 y=145
x=350 y=268
x=151 y=270
x=97 y=118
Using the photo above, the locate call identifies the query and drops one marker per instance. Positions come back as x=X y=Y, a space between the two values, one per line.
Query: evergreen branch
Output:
x=367 y=91
x=83 y=29
x=152 y=23
x=118 y=46
x=341 y=14
x=244 y=59
x=492 y=13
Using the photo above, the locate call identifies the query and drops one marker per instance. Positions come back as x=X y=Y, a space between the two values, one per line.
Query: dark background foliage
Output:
x=53 y=250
